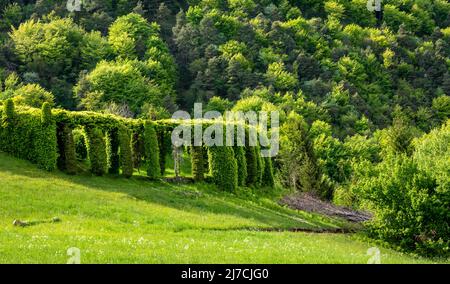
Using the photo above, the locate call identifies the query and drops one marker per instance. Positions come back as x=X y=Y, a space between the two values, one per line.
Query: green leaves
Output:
x=95 y=143
x=223 y=167
x=29 y=135
x=281 y=79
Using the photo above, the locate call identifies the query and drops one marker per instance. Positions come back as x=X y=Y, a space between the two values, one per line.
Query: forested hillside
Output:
x=364 y=103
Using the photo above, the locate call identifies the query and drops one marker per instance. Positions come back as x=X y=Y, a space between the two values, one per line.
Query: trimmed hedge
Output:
x=45 y=142
x=223 y=167
x=151 y=151
x=112 y=150
x=96 y=146
x=29 y=135
x=7 y=138
x=47 y=137
x=259 y=166
x=267 y=178
x=198 y=165
x=250 y=157
x=239 y=154
x=125 y=153
x=67 y=159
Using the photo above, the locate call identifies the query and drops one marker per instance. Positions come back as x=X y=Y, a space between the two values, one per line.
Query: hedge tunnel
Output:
x=107 y=144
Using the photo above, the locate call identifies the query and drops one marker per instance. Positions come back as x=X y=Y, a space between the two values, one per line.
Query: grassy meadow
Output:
x=114 y=220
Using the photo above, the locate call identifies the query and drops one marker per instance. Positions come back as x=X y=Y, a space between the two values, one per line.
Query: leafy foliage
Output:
x=96 y=146
x=197 y=163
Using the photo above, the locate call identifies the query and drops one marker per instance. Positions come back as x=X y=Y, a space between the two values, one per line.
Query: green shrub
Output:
x=29 y=135
x=223 y=167
x=239 y=154
x=32 y=95
x=198 y=169
x=112 y=150
x=259 y=166
x=267 y=178
x=8 y=117
x=95 y=143
x=125 y=154
x=8 y=113
x=45 y=141
x=151 y=151
x=252 y=171
x=409 y=211
x=46 y=116
x=66 y=148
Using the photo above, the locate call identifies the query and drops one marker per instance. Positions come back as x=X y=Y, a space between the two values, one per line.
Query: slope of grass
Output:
x=114 y=220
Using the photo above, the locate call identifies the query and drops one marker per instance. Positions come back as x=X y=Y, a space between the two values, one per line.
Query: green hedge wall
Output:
x=151 y=151
x=198 y=164
x=125 y=152
x=96 y=146
x=47 y=137
x=45 y=141
x=29 y=135
x=223 y=167
x=67 y=159
x=239 y=154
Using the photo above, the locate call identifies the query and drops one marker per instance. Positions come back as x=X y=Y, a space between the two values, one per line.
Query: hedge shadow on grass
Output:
x=200 y=198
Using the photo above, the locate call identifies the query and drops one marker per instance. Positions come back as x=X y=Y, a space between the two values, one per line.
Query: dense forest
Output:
x=365 y=104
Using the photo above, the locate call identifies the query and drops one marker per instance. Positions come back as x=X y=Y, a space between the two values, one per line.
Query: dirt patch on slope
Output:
x=309 y=203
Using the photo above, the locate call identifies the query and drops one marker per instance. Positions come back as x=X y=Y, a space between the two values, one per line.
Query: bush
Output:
x=8 y=113
x=197 y=163
x=29 y=135
x=45 y=141
x=252 y=170
x=112 y=150
x=66 y=148
x=267 y=178
x=223 y=167
x=125 y=155
x=259 y=166
x=95 y=142
x=239 y=154
x=32 y=95
x=151 y=151
x=411 y=211
x=8 y=117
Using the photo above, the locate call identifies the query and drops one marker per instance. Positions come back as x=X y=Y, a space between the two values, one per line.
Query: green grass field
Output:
x=114 y=220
